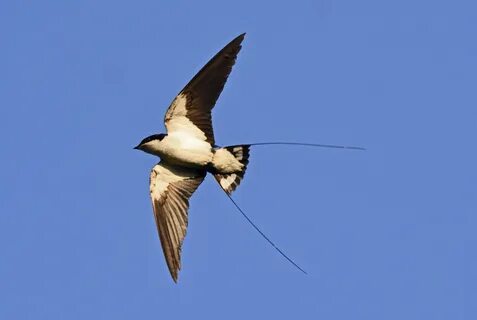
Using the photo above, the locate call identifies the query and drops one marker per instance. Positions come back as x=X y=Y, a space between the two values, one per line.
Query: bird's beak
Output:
x=136 y=147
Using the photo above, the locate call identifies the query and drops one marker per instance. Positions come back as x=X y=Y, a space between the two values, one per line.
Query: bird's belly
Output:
x=187 y=151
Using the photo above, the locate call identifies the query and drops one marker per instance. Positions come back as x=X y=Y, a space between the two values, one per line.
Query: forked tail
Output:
x=235 y=159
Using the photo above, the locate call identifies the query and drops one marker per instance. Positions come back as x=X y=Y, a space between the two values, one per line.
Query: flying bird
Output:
x=188 y=152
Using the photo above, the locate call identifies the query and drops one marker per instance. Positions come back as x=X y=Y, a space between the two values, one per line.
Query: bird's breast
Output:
x=186 y=150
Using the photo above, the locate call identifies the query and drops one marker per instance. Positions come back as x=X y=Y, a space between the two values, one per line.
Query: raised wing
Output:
x=171 y=188
x=193 y=105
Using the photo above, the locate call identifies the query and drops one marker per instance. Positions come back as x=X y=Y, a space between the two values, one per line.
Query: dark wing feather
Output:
x=201 y=93
x=171 y=187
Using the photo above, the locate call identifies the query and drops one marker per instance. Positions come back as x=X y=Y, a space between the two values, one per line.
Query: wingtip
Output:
x=174 y=271
x=240 y=37
x=175 y=276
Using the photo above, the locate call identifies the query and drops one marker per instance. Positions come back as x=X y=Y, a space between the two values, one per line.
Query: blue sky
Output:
x=384 y=234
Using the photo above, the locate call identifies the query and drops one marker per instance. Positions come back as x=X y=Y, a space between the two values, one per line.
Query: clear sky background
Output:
x=384 y=234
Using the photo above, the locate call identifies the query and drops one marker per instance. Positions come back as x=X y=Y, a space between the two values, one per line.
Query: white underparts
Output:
x=225 y=162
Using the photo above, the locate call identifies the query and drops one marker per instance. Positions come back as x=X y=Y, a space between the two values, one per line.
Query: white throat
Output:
x=153 y=147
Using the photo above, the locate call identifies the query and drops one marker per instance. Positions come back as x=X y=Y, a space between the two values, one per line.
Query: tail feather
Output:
x=230 y=181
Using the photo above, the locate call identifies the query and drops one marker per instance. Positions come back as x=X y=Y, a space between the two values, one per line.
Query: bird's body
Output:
x=184 y=150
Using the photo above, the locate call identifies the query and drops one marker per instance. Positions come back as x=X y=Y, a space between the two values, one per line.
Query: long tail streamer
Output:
x=293 y=144
x=263 y=235
x=333 y=146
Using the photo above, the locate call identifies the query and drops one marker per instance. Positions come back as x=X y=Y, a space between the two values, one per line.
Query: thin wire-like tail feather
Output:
x=308 y=145
x=228 y=192
x=264 y=236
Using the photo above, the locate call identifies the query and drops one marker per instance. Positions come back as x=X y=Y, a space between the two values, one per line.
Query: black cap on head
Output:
x=159 y=137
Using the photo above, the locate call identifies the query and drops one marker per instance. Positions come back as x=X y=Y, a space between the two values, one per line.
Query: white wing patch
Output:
x=176 y=120
x=181 y=126
x=158 y=186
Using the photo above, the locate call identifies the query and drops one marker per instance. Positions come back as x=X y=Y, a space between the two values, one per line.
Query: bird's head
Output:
x=151 y=144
